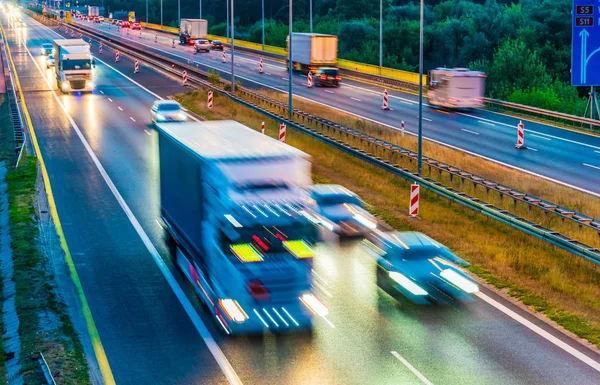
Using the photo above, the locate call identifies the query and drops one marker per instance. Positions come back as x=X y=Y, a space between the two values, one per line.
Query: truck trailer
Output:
x=312 y=51
x=233 y=202
x=73 y=65
x=192 y=29
x=93 y=11
x=456 y=88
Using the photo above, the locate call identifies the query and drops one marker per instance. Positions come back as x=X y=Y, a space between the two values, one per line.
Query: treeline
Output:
x=523 y=46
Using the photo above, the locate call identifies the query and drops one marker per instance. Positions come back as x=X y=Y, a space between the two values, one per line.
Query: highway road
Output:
x=101 y=156
x=568 y=157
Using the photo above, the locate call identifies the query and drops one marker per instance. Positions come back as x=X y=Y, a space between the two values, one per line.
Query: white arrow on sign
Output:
x=584 y=34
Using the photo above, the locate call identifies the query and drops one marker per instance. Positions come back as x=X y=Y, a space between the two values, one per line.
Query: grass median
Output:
x=564 y=287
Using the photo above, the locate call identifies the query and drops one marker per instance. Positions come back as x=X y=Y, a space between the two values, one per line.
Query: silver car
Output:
x=167 y=111
x=202 y=45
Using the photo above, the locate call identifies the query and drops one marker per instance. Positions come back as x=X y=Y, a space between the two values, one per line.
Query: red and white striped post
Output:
x=309 y=81
x=209 y=102
x=173 y=44
x=223 y=59
x=282 y=133
x=156 y=38
x=136 y=67
x=116 y=56
x=402 y=126
x=520 y=136
x=414 y=200
x=262 y=128
x=184 y=82
x=100 y=48
x=260 y=67
x=72 y=33
x=385 y=101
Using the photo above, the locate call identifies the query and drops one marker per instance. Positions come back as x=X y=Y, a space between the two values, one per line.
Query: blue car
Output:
x=341 y=211
x=419 y=268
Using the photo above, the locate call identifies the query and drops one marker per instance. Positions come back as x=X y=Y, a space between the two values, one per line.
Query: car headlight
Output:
x=407 y=283
x=160 y=117
x=458 y=280
x=182 y=116
x=365 y=221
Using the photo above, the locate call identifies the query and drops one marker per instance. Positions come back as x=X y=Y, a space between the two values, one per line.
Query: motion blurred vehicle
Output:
x=233 y=204
x=192 y=29
x=136 y=26
x=456 y=88
x=47 y=48
x=312 y=51
x=327 y=77
x=73 y=65
x=115 y=21
x=341 y=211
x=101 y=19
x=419 y=268
x=119 y=23
x=167 y=111
x=202 y=45
x=217 y=45
x=50 y=61
x=126 y=24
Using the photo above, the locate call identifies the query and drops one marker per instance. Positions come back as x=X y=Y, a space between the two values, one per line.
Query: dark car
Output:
x=327 y=77
x=217 y=45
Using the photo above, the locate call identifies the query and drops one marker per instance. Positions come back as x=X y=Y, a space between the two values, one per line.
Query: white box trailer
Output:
x=192 y=29
x=313 y=50
x=73 y=65
x=232 y=201
x=93 y=11
x=456 y=88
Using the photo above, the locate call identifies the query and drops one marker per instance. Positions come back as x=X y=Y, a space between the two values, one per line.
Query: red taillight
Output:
x=338 y=77
x=260 y=243
x=257 y=290
x=323 y=77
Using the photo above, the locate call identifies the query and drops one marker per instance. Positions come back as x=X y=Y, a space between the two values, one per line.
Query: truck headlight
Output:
x=407 y=283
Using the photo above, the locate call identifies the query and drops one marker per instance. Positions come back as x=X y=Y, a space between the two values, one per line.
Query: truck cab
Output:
x=73 y=65
x=456 y=88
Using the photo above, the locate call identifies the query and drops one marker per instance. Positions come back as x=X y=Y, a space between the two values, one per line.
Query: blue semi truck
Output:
x=233 y=203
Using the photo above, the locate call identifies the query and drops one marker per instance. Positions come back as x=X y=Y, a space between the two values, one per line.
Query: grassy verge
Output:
x=44 y=324
x=564 y=287
x=7 y=155
x=537 y=186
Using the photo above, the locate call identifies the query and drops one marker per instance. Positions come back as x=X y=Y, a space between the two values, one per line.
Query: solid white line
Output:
x=210 y=342
x=132 y=119
x=120 y=108
x=329 y=322
x=109 y=99
x=597 y=152
x=353 y=98
x=488 y=123
x=469 y=131
x=412 y=368
x=541 y=332
x=405 y=102
x=538 y=136
x=592 y=166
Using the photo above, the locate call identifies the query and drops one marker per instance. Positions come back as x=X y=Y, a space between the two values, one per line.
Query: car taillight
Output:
x=323 y=77
x=338 y=77
x=257 y=290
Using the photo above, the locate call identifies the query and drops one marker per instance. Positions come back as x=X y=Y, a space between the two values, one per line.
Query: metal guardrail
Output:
x=45 y=369
x=198 y=77
x=13 y=104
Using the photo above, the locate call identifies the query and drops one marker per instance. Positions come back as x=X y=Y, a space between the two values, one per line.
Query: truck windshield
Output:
x=82 y=64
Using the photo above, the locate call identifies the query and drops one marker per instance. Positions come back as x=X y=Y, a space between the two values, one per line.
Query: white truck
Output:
x=456 y=88
x=233 y=204
x=312 y=51
x=73 y=65
x=192 y=29
x=93 y=11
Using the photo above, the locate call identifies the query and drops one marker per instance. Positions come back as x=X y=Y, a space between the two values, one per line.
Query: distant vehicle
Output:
x=136 y=26
x=47 y=48
x=50 y=61
x=115 y=21
x=327 y=77
x=101 y=19
x=312 y=51
x=456 y=88
x=192 y=29
x=232 y=201
x=217 y=45
x=167 y=111
x=202 y=45
x=341 y=211
x=96 y=19
x=119 y=23
x=419 y=268
x=126 y=24
x=73 y=65
x=93 y=11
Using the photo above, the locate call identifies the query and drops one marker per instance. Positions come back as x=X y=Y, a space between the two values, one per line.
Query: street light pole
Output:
x=178 y=13
x=146 y=10
x=380 y=35
x=201 y=9
x=263 y=25
x=227 y=16
x=311 y=16
x=161 y=14
x=232 y=50
x=420 y=138
x=291 y=74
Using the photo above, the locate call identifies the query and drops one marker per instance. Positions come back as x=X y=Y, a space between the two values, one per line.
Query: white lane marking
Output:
x=353 y=98
x=469 y=131
x=541 y=332
x=120 y=109
x=592 y=166
x=210 y=342
x=597 y=152
x=397 y=128
x=102 y=92
x=488 y=123
x=132 y=119
x=329 y=322
x=412 y=368
x=285 y=78
x=538 y=136
x=110 y=100
x=424 y=118
x=149 y=133
x=405 y=102
x=331 y=92
x=531 y=148
x=268 y=73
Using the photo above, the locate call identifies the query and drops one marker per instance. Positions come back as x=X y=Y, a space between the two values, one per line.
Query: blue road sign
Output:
x=585 y=53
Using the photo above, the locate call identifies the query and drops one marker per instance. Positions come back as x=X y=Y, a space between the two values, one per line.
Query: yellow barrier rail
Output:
x=370 y=69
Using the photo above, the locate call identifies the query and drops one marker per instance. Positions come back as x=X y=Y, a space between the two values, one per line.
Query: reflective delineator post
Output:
x=260 y=66
x=100 y=48
x=156 y=38
x=136 y=67
x=414 y=200
x=173 y=44
x=402 y=126
x=262 y=128
x=385 y=105
x=209 y=102
x=184 y=78
x=223 y=59
x=520 y=136
x=309 y=81
x=116 y=56
x=282 y=130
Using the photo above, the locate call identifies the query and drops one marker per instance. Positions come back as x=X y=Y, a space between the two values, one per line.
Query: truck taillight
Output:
x=338 y=77
x=323 y=77
x=257 y=290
